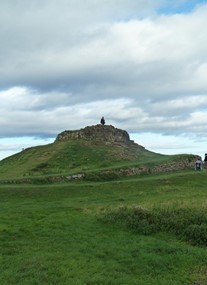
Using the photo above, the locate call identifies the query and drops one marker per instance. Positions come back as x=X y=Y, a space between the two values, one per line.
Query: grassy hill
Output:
x=70 y=157
x=96 y=152
x=79 y=156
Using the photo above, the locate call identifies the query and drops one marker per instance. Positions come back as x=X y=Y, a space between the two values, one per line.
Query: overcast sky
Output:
x=140 y=63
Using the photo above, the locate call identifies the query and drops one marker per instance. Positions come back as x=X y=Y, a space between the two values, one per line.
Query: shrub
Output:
x=185 y=223
x=138 y=219
x=196 y=234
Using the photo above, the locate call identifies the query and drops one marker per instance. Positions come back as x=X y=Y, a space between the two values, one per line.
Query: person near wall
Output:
x=198 y=164
x=205 y=161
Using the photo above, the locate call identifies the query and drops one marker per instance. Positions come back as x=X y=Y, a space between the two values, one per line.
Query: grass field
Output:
x=78 y=233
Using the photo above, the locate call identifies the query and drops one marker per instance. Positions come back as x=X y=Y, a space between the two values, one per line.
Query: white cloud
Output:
x=48 y=54
x=10 y=146
x=171 y=144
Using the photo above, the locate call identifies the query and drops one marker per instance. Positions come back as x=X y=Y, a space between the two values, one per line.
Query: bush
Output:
x=185 y=223
x=138 y=219
x=196 y=234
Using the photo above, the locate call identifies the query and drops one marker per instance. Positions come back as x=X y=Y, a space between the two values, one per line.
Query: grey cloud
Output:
x=122 y=112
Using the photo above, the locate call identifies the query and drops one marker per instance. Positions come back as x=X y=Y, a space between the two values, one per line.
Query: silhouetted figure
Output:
x=198 y=164
x=102 y=121
x=205 y=161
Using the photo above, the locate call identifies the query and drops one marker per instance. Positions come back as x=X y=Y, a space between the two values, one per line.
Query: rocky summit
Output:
x=105 y=133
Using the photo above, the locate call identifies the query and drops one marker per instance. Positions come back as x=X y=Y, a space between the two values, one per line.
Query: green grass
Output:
x=54 y=234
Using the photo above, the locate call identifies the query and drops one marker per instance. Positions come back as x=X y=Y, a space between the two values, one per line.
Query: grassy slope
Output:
x=51 y=234
x=76 y=156
x=71 y=157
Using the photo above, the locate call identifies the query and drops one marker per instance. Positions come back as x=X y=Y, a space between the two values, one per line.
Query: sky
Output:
x=142 y=64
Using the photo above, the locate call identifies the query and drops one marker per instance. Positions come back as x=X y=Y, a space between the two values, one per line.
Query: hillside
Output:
x=94 y=148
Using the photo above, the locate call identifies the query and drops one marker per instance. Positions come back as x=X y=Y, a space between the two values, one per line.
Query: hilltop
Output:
x=94 y=151
x=103 y=133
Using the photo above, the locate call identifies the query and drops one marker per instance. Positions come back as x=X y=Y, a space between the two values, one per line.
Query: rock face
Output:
x=107 y=134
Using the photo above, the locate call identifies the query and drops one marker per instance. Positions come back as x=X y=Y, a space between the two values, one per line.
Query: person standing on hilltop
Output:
x=102 y=121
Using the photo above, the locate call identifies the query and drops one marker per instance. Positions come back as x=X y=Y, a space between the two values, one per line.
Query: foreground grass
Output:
x=53 y=235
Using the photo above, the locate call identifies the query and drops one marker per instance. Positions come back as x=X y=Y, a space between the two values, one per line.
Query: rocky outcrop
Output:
x=105 y=133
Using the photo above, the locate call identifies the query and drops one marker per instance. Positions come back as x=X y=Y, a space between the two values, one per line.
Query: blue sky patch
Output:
x=180 y=7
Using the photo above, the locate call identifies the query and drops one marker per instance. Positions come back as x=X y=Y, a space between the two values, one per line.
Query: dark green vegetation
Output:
x=125 y=223
x=55 y=234
x=186 y=223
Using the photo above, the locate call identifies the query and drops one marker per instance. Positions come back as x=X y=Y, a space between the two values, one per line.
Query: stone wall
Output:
x=110 y=174
x=177 y=165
